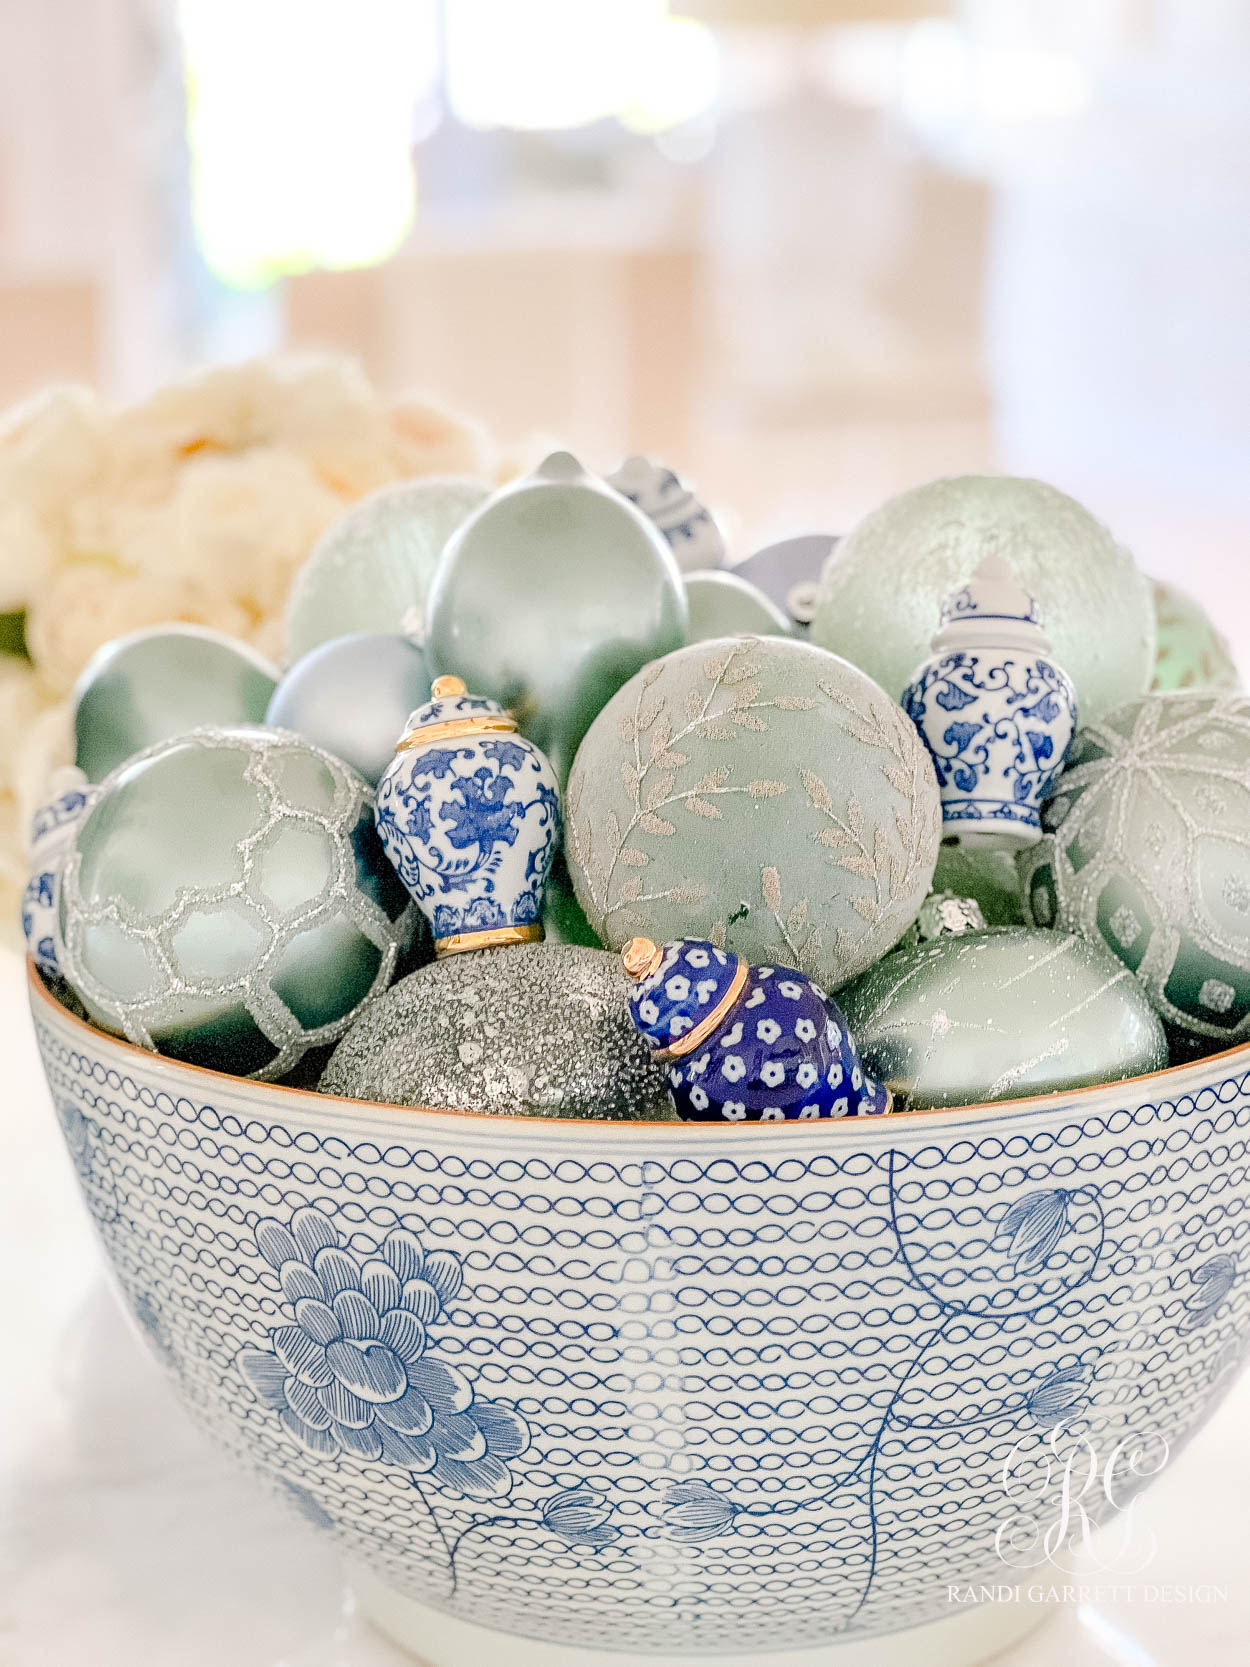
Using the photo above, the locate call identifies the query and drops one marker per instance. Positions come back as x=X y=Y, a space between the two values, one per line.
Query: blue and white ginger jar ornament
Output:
x=663 y=497
x=995 y=713
x=51 y=836
x=745 y=1044
x=468 y=812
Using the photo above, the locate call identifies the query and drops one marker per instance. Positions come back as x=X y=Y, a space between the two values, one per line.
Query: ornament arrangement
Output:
x=553 y=814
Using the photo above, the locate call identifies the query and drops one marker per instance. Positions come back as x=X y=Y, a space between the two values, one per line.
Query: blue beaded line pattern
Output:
x=689 y=1389
x=990 y=727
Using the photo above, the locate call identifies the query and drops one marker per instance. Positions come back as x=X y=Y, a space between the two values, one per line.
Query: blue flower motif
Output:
x=507 y=754
x=487 y=814
x=580 y=1516
x=1212 y=1283
x=694 y=1511
x=440 y=761
x=1057 y=1396
x=351 y=1373
x=1035 y=1224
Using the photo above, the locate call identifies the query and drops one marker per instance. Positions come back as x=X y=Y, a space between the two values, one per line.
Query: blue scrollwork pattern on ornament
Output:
x=997 y=731
x=471 y=830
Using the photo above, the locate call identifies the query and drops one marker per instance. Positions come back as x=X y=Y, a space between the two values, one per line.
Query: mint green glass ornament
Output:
x=723 y=605
x=881 y=592
x=762 y=794
x=227 y=901
x=1147 y=850
x=372 y=570
x=1000 y=1014
x=353 y=696
x=1189 y=653
x=160 y=682
x=549 y=597
x=989 y=877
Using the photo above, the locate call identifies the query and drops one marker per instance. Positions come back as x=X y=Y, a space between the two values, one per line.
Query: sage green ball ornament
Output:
x=722 y=605
x=353 y=696
x=881 y=592
x=227 y=901
x=760 y=793
x=1147 y=850
x=549 y=597
x=533 y=1030
x=1000 y=1014
x=1190 y=653
x=372 y=570
x=163 y=681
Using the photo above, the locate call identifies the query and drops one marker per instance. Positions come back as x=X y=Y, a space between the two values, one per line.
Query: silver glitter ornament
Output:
x=998 y=1015
x=227 y=901
x=533 y=1030
x=943 y=914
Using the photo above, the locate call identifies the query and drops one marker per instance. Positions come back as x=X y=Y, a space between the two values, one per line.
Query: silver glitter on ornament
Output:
x=1000 y=1014
x=944 y=914
x=533 y=1030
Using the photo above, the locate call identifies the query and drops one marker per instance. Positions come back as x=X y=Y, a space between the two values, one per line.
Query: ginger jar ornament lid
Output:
x=681 y=990
x=452 y=711
x=991 y=608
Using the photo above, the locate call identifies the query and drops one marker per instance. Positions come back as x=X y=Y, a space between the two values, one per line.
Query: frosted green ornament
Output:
x=882 y=590
x=1000 y=1014
x=1189 y=653
x=534 y=1030
x=1147 y=849
x=758 y=792
x=372 y=570
x=227 y=901
x=163 y=681
x=722 y=605
x=549 y=597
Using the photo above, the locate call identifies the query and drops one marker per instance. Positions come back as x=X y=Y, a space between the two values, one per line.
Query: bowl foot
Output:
x=436 y=1639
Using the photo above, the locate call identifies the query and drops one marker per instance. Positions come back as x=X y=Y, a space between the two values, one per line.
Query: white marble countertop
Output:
x=126 y=1539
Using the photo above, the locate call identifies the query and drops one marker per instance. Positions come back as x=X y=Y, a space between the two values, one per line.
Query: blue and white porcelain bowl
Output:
x=737 y=1391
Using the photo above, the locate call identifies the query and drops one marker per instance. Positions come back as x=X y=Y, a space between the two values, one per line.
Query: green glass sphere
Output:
x=1189 y=653
x=534 y=1030
x=998 y=1015
x=372 y=570
x=1147 y=850
x=551 y=596
x=882 y=589
x=758 y=792
x=227 y=901
x=723 y=605
x=160 y=682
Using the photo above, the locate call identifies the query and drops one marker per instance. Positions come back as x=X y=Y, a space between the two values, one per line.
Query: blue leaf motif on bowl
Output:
x=695 y=1511
x=1058 y=1396
x=1034 y=1225
x=1211 y=1284
x=351 y=1372
x=580 y=1516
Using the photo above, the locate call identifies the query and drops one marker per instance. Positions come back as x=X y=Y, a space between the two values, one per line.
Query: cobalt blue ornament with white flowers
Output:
x=468 y=812
x=995 y=713
x=51 y=836
x=745 y=1044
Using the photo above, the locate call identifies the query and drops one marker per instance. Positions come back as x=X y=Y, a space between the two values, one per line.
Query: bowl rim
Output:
x=329 y=1105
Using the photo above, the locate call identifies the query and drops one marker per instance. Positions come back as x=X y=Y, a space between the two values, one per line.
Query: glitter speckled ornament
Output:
x=722 y=605
x=663 y=497
x=551 y=596
x=745 y=1044
x=372 y=570
x=944 y=915
x=1190 y=653
x=998 y=1015
x=760 y=793
x=1148 y=850
x=227 y=901
x=160 y=682
x=880 y=594
x=353 y=697
x=535 y=1030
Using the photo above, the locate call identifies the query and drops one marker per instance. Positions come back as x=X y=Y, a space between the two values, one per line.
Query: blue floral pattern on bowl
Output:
x=51 y=834
x=996 y=715
x=470 y=819
x=746 y=1388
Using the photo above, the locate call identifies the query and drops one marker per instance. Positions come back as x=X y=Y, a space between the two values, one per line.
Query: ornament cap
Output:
x=992 y=607
x=640 y=957
x=443 y=688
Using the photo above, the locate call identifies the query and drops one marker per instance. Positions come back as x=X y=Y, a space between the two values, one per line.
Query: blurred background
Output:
x=808 y=251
